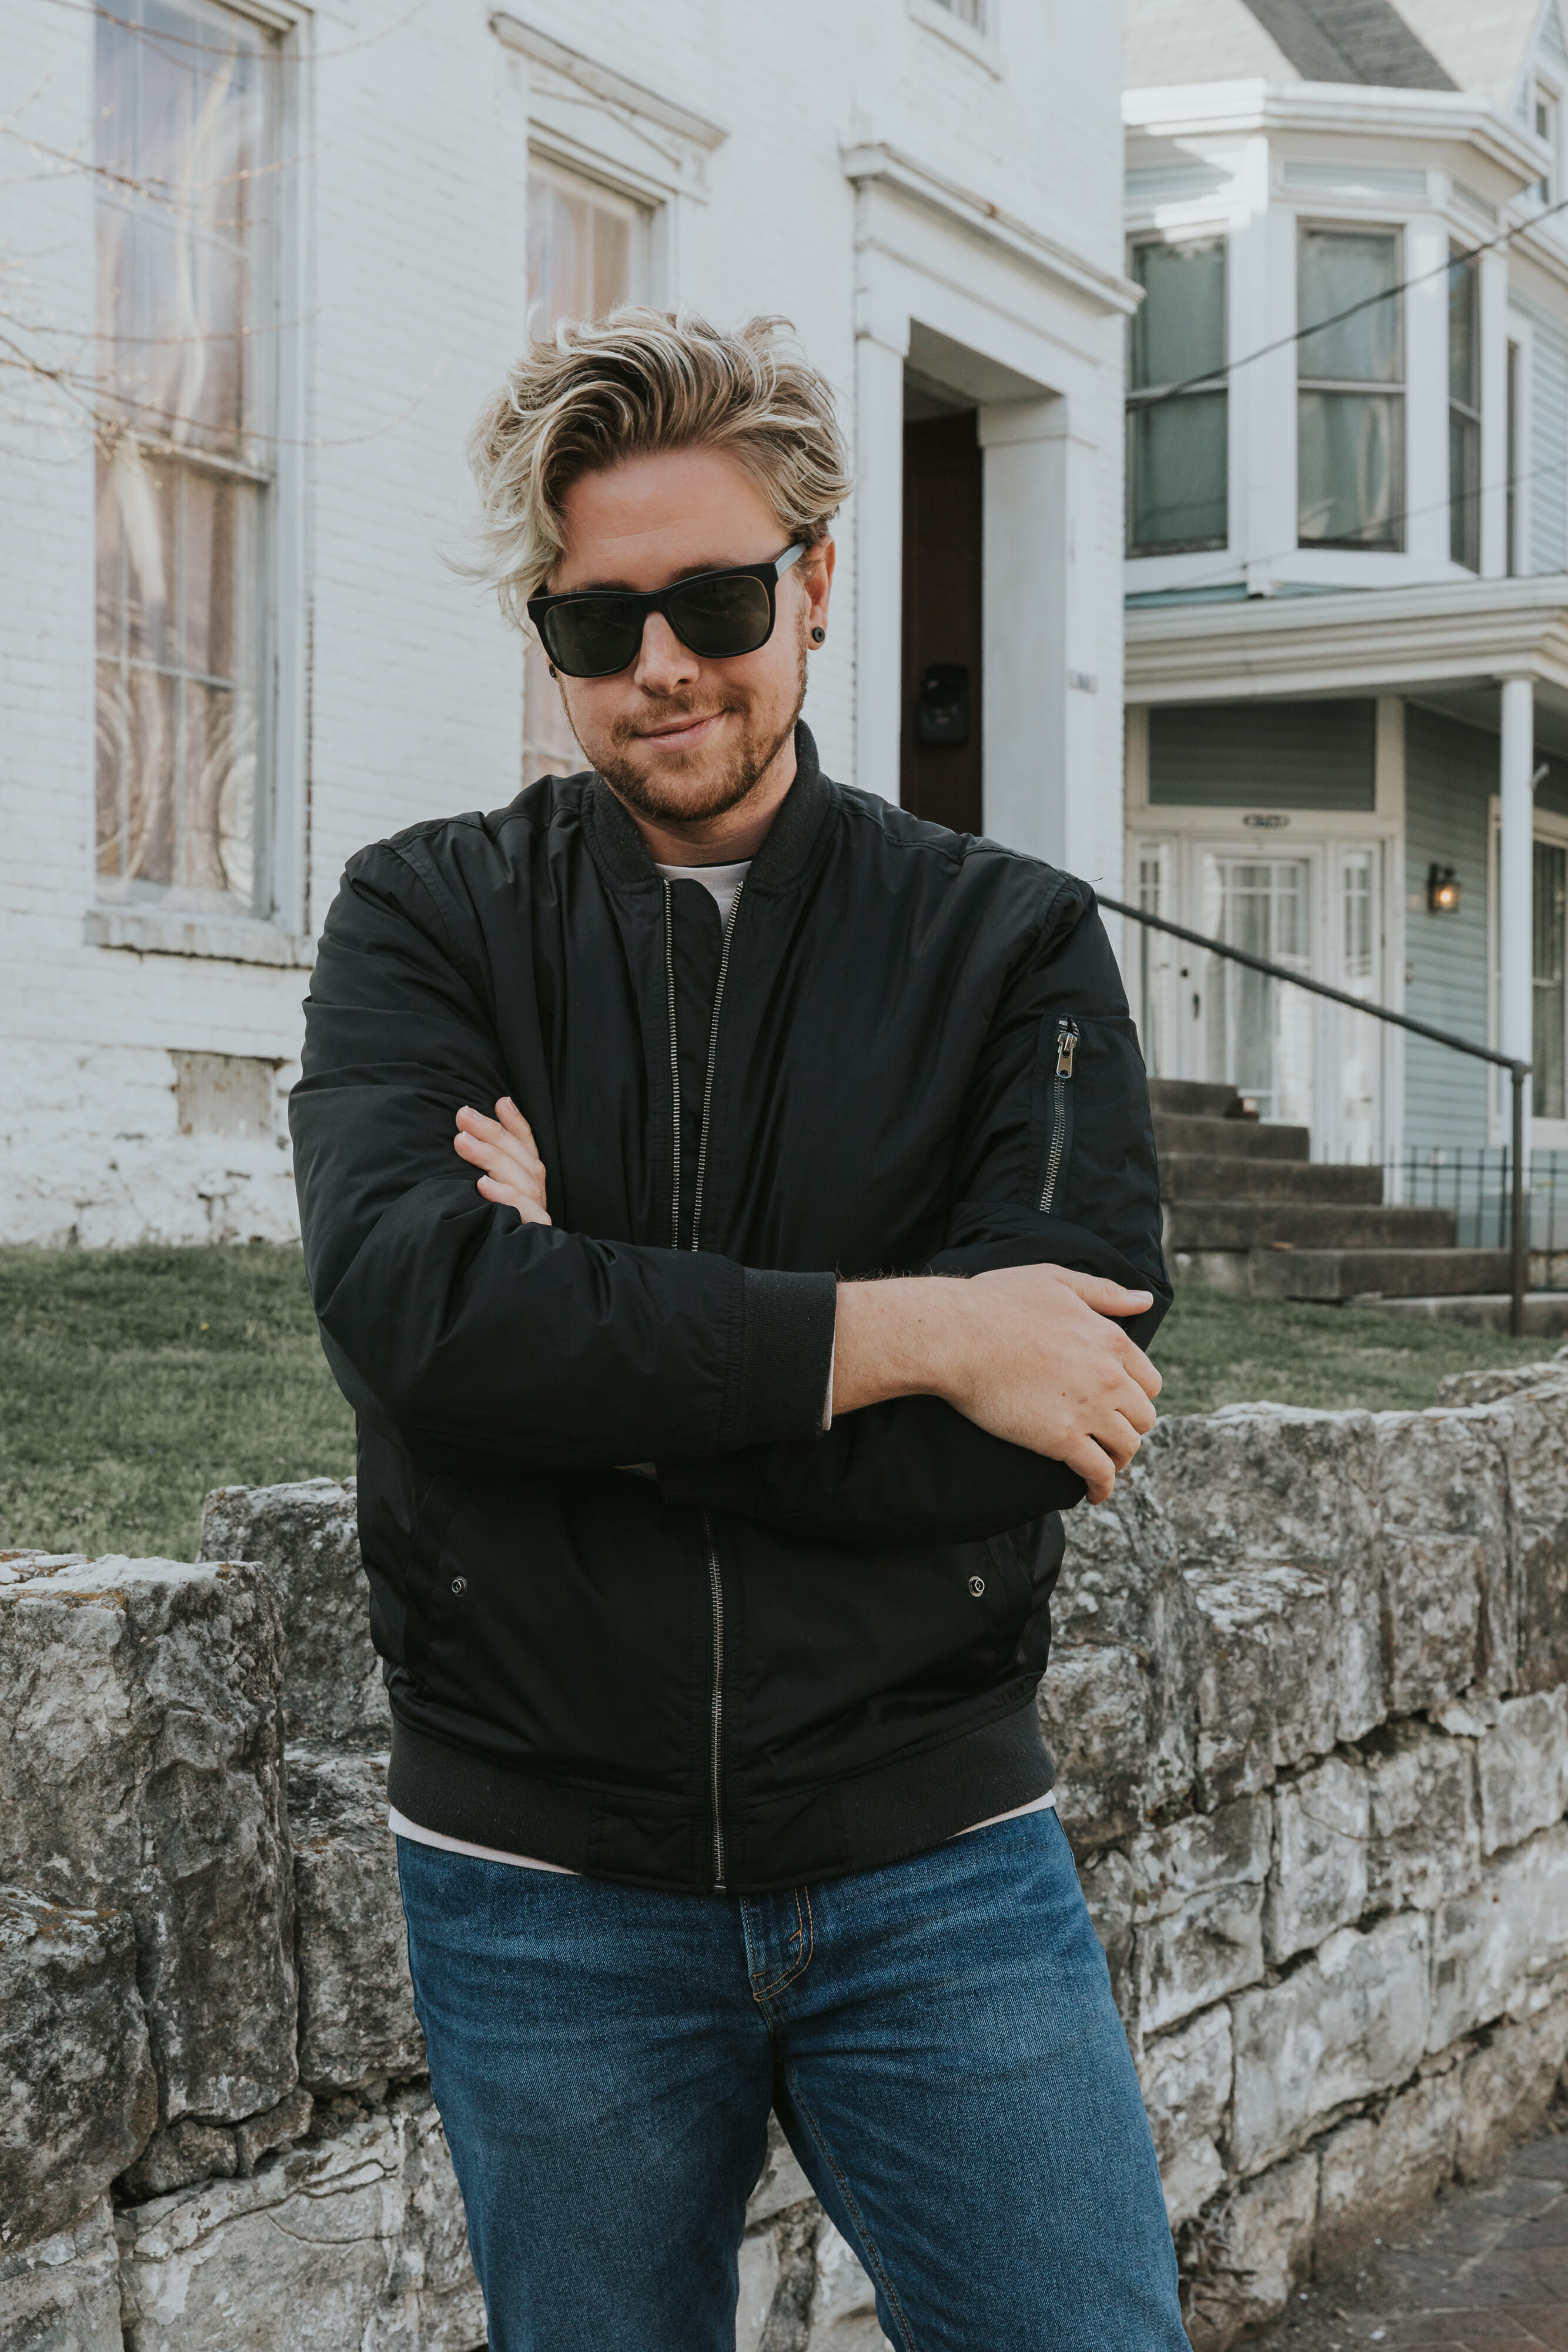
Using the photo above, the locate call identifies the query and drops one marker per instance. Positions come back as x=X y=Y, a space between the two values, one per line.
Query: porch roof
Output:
x=1440 y=643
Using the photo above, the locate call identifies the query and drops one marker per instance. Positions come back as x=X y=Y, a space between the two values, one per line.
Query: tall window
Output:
x=1546 y=121
x=1176 y=399
x=187 y=100
x=1464 y=413
x=1350 y=401
x=586 y=251
x=1551 y=974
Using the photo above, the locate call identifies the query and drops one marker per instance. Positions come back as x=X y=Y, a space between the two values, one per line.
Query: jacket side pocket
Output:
x=426 y=1546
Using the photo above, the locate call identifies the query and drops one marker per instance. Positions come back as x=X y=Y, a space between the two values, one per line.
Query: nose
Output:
x=664 y=663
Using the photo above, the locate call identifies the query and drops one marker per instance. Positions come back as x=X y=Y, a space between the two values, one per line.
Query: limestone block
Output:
x=1096 y=1705
x=356 y=2240
x=1502 y=1947
x=79 y=2095
x=1255 y=1498
x=1350 y=2022
x=1376 y=2167
x=844 y=2311
x=1110 y=1890
x=1318 y=1881
x=1507 y=2086
x=1186 y=2079
x=1262 y=2242
x=1443 y=1551
x=141 y=1768
x=1504 y=1380
x=1424 y=1826
x=779 y=2282
x=1521 y=1769
x=306 y=1537
x=1199 y=1894
x=1532 y=1428
x=780 y=2183
x=1120 y=1585
x=355 y=2002
x=62 y=2294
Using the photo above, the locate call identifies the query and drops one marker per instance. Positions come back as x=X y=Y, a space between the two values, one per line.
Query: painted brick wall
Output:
x=412 y=139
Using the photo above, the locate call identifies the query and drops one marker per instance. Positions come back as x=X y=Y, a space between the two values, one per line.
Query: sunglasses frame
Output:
x=658 y=599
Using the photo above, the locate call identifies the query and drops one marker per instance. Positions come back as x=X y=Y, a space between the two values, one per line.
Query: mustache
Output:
x=668 y=711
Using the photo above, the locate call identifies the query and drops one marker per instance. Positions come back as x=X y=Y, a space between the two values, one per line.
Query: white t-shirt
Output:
x=721 y=881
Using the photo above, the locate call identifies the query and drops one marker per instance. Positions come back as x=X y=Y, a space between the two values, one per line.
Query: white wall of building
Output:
x=875 y=172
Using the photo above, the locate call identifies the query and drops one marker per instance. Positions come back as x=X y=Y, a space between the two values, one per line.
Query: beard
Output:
x=681 y=792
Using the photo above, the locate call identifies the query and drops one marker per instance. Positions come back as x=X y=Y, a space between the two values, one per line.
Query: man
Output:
x=712 y=1581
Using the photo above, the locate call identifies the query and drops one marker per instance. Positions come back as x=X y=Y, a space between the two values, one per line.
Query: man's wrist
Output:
x=902 y=1336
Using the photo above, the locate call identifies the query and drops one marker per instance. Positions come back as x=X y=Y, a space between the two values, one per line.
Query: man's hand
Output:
x=505 y=1149
x=1027 y=1353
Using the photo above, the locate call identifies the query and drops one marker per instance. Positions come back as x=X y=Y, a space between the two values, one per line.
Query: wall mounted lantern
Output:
x=1442 y=890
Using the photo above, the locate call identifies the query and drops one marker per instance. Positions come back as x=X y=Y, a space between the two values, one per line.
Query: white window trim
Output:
x=984 y=47
x=283 y=934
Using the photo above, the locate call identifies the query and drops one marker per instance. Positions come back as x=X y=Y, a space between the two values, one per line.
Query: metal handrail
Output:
x=1518 y=1071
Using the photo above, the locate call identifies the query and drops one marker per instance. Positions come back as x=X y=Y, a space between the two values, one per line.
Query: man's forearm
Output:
x=1031 y=1354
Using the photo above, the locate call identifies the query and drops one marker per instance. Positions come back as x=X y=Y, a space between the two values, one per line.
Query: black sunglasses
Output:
x=595 y=632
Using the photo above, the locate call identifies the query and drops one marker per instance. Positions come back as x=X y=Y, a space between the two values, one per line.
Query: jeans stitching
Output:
x=868 y=2246
x=806 y=1926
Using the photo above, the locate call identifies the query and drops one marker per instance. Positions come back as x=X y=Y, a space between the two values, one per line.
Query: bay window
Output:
x=1350 y=395
x=186 y=103
x=1176 y=399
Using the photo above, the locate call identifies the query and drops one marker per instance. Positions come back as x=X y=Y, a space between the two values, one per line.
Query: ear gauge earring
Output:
x=552 y=669
x=816 y=636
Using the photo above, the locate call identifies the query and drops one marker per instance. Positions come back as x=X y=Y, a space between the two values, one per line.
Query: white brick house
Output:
x=318 y=233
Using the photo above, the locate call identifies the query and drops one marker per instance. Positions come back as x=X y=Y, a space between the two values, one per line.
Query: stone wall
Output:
x=1310 y=1700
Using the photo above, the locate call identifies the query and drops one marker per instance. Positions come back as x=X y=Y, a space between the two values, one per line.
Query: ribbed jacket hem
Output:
x=901 y=1808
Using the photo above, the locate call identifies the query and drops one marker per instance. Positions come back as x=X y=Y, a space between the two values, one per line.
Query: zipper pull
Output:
x=1066 y=1046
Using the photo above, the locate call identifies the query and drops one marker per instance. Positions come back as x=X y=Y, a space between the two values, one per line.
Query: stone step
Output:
x=1305 y=1224
x=1230 y=1138
x=1341 y=1273
x=1207 y=1176
x=1191 y=1097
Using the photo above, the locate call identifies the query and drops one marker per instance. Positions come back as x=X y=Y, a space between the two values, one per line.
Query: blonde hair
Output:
x=640 y=380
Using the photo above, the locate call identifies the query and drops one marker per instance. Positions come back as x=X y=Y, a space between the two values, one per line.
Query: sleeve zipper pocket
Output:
x=1060 y=1111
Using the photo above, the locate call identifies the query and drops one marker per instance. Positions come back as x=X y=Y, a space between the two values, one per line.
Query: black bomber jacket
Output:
x=639 y=1614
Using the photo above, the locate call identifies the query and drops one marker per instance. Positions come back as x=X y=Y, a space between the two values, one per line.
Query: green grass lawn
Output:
x=132 y=1381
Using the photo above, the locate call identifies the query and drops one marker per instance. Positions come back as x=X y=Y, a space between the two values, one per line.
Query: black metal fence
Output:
x=1469 y=1176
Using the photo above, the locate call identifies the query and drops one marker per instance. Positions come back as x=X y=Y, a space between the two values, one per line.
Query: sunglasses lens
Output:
x=719 y=617
x=595 y=638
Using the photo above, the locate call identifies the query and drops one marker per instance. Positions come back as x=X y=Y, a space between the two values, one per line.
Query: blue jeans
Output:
x=937 y=2038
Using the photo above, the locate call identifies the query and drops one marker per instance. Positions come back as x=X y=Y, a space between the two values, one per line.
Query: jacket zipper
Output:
x=716 y=1581
x=716 y=1788
x=1066 y=1046
x=674 y=1066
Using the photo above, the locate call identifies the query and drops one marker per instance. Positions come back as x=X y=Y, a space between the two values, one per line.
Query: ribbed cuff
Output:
x=786 y=1355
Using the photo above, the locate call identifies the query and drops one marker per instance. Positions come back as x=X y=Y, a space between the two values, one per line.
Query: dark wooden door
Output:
x=939 y=776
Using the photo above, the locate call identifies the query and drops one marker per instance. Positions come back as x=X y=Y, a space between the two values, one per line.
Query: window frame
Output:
x=1395 y=392
x=1147 y=395
x=541 y=745
x=277 y=928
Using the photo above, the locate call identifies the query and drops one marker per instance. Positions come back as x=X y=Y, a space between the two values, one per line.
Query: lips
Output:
x=678 y=731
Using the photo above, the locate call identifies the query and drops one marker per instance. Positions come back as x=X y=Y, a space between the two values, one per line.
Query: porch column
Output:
x=1516 y=956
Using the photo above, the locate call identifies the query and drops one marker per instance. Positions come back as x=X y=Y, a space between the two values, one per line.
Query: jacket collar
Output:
x=783 y=854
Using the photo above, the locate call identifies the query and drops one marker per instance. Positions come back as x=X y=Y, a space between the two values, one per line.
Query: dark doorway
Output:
x=939 y=764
